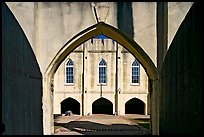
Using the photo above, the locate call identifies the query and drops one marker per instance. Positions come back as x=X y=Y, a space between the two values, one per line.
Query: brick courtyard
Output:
x=99 y=124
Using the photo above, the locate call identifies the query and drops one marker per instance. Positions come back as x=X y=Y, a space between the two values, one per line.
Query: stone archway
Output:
x=70 y=104
x=137 y=104
x=73 y=43
x=102 y=106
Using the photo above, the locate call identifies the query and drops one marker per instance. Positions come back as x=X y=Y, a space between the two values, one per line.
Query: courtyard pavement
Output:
x=100 y=124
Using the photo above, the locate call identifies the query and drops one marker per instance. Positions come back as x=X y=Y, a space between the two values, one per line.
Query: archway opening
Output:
x=102 y=106
x=135 y=106
x=70 y=104
x=73 y=43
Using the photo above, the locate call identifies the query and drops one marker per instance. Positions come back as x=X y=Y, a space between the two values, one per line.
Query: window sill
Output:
x=134 y=84
x=69 y=84
x=103 y=84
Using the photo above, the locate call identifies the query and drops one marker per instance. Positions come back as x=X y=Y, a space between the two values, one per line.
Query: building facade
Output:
x=101 y=77
x=52 y=29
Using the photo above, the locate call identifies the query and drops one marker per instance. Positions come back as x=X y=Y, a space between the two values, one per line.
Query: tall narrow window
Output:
x=102 y=71
x=135 y=72
x=69 y=79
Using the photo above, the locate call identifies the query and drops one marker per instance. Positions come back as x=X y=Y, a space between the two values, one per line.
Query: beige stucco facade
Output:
x=93 y=52
x=63 y=20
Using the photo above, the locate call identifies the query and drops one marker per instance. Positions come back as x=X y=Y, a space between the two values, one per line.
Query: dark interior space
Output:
x=134 y=106
x=102 y=106
x=70 y=104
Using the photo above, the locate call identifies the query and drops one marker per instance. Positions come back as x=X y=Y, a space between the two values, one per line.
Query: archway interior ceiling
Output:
x=111 y=32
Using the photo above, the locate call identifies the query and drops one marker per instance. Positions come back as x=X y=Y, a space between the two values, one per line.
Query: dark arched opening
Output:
x=70 y=104
x=102 y=106
x=134 y=106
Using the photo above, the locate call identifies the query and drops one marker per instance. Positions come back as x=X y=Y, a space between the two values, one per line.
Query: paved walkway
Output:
x=99 y=124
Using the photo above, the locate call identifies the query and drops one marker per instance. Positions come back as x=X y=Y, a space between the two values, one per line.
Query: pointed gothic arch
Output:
x=135 y=106
x=102 y=106
x=70 y=104
x=77 y=40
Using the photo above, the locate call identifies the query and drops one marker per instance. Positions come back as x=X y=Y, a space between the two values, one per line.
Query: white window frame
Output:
x=66 y=73
x=138 y=72
x=105 y=72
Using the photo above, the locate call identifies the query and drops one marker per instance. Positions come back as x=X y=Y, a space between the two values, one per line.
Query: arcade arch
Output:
x=137 y=104
x=70 y=104
x=102 y=106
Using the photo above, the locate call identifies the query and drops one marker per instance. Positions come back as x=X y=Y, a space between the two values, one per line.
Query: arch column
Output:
x=154 y=107
x=47 y=99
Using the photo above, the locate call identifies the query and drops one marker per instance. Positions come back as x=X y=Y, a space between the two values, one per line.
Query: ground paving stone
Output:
x=100 y=125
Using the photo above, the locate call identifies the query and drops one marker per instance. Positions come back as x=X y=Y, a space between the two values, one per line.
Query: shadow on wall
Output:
x=21 y=81
x=181 y=109
x=124 y=17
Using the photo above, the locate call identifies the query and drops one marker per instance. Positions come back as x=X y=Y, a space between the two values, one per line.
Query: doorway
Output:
x=102 y=106
x=135 y=106
x=70 y=104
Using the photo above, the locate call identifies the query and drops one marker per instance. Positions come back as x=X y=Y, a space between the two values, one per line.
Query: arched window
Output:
x=135 y=72
x=102 y=71
x=69 y=71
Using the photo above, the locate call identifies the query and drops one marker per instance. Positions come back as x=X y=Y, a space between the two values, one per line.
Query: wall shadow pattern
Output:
x=125 y=18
